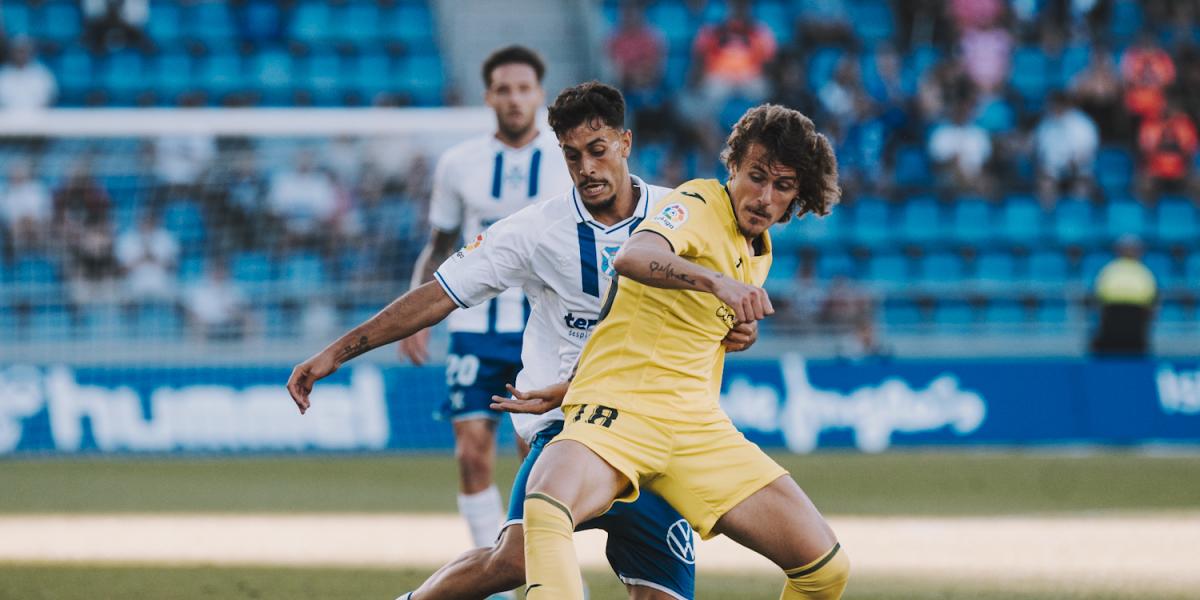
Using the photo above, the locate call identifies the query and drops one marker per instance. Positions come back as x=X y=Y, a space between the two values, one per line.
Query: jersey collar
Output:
x=639 y=211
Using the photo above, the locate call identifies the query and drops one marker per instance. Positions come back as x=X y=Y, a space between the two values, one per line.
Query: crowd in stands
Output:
x=1007 y=142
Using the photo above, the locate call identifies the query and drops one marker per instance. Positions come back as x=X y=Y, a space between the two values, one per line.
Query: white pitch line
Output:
x=1100 y=550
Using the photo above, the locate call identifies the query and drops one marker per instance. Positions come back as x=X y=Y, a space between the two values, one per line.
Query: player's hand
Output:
x=741 y=337
x=535 y=403
x=749 y=303
x=307 y=373
x=416 y=347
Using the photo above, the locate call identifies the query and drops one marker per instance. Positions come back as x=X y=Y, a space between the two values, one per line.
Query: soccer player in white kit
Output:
x=477 y=183
x=560 y=252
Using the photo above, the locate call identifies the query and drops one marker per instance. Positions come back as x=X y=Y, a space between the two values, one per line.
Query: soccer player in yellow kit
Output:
x=643 y=409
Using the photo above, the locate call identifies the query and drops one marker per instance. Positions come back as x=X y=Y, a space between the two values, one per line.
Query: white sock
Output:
x=484 y=514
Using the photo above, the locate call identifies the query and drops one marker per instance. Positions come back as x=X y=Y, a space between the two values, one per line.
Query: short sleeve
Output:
x=496 y=260
x=445 y=205
x=685 y=219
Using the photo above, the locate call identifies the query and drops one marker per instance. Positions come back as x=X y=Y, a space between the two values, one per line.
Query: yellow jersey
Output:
x=658 y=352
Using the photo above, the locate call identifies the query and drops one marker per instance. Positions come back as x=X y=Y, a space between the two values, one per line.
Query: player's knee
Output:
x=822 y=579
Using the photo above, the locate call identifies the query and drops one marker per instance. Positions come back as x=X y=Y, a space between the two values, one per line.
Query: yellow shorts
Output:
x=701 y=469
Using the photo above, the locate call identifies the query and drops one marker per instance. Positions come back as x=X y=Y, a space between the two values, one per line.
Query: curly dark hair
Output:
x=791 y=140
x=587 y=103
x=512 y=55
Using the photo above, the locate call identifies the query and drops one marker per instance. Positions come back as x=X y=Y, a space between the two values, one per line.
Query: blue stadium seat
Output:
x=714 y=12
x=887 y=271
x=123 y=76
x=1093 y=262
x=673 y=20
x=872 y=20
x=413 y=24
x=971 y=221
x=186 y=220
x=60 y=21
x=920 y=220
x=271 y=71
x=1075 y=58
x=953 y=313
x=1021 y=221
x=173 y=74
x=209 y=21
x=1124 y=216
x=1191 y=269
x=676 y=69
x=35 y=269
x=940 y=268
x=811 y=230
x=158 y=321
x=872 y=225
x=251 y=267
x=16 y=19
x=74 y=73
x=902 y=312
x=1126 y=19
x=221 y=73
x=918 y=61
x=372 y=74
x=311 y=23
x=1004 y=312
x=1073 y=221
x=776 y=15
x=1163 y=268
x=996 y=116
x=302 y=272
x=1047 y=269
x=912 y=167
x=191 y=269
x=995 y=267
x=821 y=65
x=1031 y=75
x=421 y=76
x=833 y=263
x=1114 y=170
x=1173 y=312
x=359 y=22
x=1176 y=221
x=1051 y=311
x=50 y=323
x=323 y=76
x=164 y=22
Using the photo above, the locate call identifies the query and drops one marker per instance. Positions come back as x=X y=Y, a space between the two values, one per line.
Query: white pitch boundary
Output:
x=1104 y=551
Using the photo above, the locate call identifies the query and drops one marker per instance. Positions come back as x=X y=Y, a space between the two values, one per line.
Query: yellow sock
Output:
x=551 y=569
x=821 y=579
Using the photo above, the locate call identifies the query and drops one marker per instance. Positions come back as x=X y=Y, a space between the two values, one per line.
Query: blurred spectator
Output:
x=236 y=192
x=860 y=149
x=343 y=155
x=636 y=50
x=215 y=307
x=863 y=342
x=791 y=84
x=845 y=304
x=1168 y=145
x=147 y=255
x=839 y=95
x=25 y=207
x=1097 y=88
x=987 y=55
x=80 y=199
x=92 y=265
x=179 y=163
x=942 y=87
x=115 y=24
x=825 y=23
x=1147 y=70
x=305 y=199
x=1065 y=142
x=804 y=298
x=25 y=84
x=975 y=14
x=1126 y=292
x=732 y=56
x=960 y=148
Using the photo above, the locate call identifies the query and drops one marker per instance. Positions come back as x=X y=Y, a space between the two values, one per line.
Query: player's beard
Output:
x=517 y=132
x=603 y=205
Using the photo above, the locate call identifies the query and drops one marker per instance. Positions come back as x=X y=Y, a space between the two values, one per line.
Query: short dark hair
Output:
x=791 y=140
x=512 y=55
x=585 y=103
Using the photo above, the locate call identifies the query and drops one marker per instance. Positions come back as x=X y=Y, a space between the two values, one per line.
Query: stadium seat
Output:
x=953 y=314
x=60 y=21
x=1176 y=221
x=251 y=267
x=1126 y=19
x=271 y=71
x=676 y=69
x=1191 y=270
x=302 y=272
x=872 y=20
x=1124 y=216
x=673 y=20
x=901 y=312
x=872 y=225
x=1093 y=262
x=209 y=21
x=920 y=221
x=16 y=19
x=887 y=271
x=821 y=65
x=35 y=269
x=776 y=15
x=311 y=23
x=912 y=167
x=825 y=231
x=221 y=73
x=1021 y=221
x=421 y=76
x=323 y=76
x=940 y=268
x=996 y=116
x=164 y=23
x=1173 y=313
x=1051 y=311
x=74 y=73
x=916 y=63
x=1004 y=312
x=123 y=76
x=971 y=221
x=50 y=322
x=413 y=25
x=186 y=220
x=173 y=74
x=158 y=321
x=360 y=23
x=1047 y=269
x=1114 y=171
x=995 y=268
x=833 y=263
x=1163 y=267
x=1073 y=221
x=1075 y=58
x=1031 y=75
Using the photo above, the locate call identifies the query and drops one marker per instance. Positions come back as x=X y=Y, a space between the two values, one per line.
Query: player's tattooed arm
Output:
x=667 y=271
x=648 y=258
x=420 y=308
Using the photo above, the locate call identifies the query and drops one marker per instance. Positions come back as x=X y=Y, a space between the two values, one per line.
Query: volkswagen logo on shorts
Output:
x=679 y=538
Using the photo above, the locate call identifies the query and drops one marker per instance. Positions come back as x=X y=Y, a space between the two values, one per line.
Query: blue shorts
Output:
x=477 y=367
x=649 y=543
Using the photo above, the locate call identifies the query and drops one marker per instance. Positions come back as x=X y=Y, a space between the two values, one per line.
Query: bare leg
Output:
x=480 y=572
x=780 y=523
x=475 y=451
x=577 y=477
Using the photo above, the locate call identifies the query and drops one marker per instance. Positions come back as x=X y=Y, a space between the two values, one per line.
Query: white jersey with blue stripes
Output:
x=481 y=181
x=562 y=259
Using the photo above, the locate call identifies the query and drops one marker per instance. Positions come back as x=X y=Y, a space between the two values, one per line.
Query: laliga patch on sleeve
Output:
x=672 y=216
x=465 y=250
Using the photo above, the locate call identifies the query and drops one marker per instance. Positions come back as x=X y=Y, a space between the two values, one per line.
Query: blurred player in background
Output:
x=644 y=411
x=560 y=252
x=477 y=183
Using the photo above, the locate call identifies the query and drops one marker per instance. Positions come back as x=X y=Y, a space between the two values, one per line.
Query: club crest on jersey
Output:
x=672 y=216
x=608 y=254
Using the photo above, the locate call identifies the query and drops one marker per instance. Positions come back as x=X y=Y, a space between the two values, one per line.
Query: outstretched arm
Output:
x=422 y=307
x=648 y=258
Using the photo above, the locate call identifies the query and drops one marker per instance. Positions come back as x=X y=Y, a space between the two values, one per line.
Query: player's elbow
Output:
x=623 y=262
